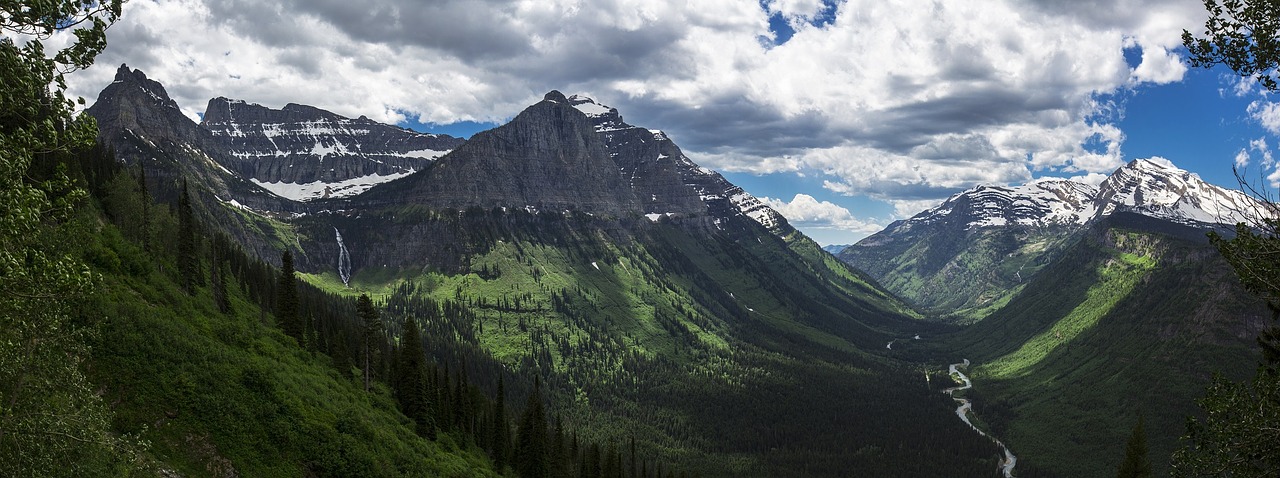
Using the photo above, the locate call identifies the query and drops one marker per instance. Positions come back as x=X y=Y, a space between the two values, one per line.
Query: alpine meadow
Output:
x=1061 y=230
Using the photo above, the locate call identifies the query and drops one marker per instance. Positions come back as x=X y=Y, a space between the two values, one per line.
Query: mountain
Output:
x=835 y=249
x=1158 y=189
x=305 y=153
x=571 y=153
x=973 y=252
x=1133 y=318
x=646 y=297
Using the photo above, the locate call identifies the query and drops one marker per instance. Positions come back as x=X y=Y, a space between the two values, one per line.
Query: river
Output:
x=962 y=411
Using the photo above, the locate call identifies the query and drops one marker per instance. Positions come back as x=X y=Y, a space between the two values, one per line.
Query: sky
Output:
x=842 y=115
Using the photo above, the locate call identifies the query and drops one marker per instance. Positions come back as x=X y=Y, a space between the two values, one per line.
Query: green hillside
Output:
x=731 y=354
x=1128 y=322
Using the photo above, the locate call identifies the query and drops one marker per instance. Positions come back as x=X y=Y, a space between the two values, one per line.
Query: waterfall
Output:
x=344 y=260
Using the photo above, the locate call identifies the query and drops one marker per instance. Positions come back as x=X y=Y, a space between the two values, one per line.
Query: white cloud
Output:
x=903 y=208
x=1242 y=158
x=1267 y=114
x=1159 y=66
x=796 y=9
x=1092 y=179
x=804 y=211
x=891 y=99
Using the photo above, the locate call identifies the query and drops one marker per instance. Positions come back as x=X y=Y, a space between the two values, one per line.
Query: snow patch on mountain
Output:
x=1152 y=187
x=320 y=189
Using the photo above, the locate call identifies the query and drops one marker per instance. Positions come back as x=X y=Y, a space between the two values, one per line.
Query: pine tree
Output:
x=188 y=263
x=287 y=297
x=500 y=438
x=411 y=382
x=532 y=451
x=218 y=280
x=341 y=355
x=145 y=233
x=1136 y=463
x=372 y=330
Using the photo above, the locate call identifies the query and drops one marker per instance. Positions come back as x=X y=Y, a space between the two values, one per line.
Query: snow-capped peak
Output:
x=1152 y=187
x=1155 y=187
x=590 y=107
x=1039 y=203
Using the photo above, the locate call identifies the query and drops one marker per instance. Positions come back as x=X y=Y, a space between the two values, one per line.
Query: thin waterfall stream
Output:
x=344 y=260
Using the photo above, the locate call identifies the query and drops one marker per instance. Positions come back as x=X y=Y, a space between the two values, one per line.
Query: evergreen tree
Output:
x=532 y=452
x=145 y=232
x=500 y=438
x=559 y=452
x=1136 y=463
x=218 y=280
x=411 y=382
x=287 y=297
x=341 y=355
x=371 y=328
x=188 y=263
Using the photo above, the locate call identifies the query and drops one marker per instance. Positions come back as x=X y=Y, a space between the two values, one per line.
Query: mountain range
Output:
x=656 y=303
x=995 y=238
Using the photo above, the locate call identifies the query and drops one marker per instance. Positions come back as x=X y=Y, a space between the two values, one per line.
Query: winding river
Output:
x=1009 y=461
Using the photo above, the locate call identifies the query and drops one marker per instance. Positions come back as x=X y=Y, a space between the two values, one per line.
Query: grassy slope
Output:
x=961 y=274
x=215 y=392
x=712 y=352
x=1127 y=323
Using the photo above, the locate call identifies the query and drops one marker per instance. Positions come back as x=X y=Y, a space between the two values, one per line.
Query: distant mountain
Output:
x=835 y=248
x=980 y=246
x=305 y=153
x=1131 y=319
x=651 y=297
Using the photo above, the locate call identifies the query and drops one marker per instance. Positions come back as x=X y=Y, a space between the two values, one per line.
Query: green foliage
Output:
x=1252 y=254
x=371 y=333
x=52 y=423
x=287 y=298
x=1133 y=340
x=1244 y=35
x=188 y=263
x=532 y=452
x=1237 y=436
x=411 y=382
x=1136 y=464
x=223 y=393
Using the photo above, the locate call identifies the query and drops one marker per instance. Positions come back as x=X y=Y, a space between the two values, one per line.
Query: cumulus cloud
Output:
x=884 y=98
x=805 y=211
x=1266 y=114
x=1242 y=158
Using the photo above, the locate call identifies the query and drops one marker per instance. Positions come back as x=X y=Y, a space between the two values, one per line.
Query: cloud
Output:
x=888 y=99
x=1242 y=158
x=1266 y=114
x=804 y=211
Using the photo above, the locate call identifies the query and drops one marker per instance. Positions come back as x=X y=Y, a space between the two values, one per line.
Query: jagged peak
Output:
x=555 y=96
x=591 y=107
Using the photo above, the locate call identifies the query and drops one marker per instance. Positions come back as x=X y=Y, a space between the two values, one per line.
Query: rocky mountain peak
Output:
x=1155 y=187
x=136 y=103
x=304 y=153
x=1152 y=187
x=555 y=96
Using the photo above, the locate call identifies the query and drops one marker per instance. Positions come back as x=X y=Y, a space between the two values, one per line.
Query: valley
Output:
x=568 y=294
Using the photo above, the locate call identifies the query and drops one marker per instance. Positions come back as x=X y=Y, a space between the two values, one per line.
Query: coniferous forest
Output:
x=153 y=324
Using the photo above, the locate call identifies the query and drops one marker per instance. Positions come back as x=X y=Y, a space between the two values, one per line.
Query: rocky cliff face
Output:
x=548 y=158
x=138 y=120
x=1158 y=189
x=305 y=153
x=664 y=180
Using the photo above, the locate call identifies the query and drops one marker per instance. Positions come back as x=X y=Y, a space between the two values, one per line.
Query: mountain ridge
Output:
x=976 y=249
